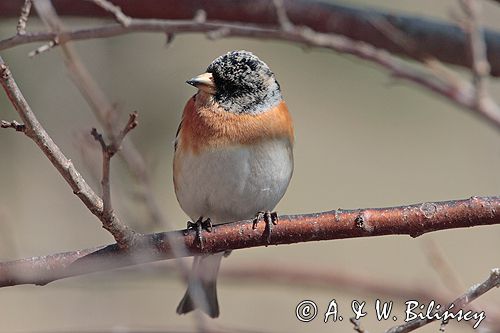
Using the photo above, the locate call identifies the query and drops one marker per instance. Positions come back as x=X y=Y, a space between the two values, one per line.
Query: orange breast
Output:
x=208 y=125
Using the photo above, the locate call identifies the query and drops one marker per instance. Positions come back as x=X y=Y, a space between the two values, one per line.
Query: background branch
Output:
x=108 y=151
x=413 y=220
x=443 y=41
x=35 y=131
x=474 y=292
x=452 y=88
x=23 y=18
x=104 y=110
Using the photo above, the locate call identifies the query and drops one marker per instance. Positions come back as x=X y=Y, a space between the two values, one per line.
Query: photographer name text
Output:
x=308 y=310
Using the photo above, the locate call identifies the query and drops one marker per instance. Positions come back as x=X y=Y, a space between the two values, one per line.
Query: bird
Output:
x=233 y=158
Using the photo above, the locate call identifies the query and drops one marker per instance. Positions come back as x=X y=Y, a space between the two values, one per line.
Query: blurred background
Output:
x=362 y=140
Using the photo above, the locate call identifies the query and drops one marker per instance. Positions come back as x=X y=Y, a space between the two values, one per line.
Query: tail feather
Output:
x=202 y=286
x=209 y=305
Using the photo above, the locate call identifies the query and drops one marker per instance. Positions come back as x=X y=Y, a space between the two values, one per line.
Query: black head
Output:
x=241 y=83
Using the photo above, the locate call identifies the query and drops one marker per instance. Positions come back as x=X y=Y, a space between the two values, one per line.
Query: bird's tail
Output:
x=202 y=286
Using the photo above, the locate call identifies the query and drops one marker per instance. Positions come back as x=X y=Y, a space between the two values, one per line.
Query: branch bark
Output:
x=35 y=131
x=413 y=220
x=443 y=41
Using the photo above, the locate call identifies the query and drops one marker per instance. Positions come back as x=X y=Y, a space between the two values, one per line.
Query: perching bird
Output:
x=233 y=157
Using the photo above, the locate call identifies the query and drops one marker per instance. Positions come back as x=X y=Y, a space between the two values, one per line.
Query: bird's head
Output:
x=240 y=83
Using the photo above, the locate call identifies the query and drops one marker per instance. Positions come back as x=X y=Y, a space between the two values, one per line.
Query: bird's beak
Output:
x=204 y=82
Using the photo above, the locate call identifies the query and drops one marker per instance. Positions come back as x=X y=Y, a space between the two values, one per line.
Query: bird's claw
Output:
x=270 y=218
x=199 y=226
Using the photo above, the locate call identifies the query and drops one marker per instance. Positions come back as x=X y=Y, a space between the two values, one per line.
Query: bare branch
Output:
x=130 y=125
x=441 y=265
x=477 y=48
x=283 y=20
x=413 y=220
x=23 y=18
x=458 y=91
x=105 y=111
x=35 y=131
x=108 y=151
x=115 y=10
x=443 y=41
x=44 y=48
x=474 y=292
x=357 y=325
x=200 y=16
x=13 y=124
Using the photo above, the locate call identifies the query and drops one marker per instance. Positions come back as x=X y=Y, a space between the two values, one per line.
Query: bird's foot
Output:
x=270 y=218
x=199 y=226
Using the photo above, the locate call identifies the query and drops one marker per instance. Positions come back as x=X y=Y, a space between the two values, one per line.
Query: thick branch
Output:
x=440 y=40
x=413 y=220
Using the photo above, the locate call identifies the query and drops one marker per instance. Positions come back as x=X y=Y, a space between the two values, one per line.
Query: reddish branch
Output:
x=413 y=220
x=440 y=40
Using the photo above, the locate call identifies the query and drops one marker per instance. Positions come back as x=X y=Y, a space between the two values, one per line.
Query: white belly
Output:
x=234 y=183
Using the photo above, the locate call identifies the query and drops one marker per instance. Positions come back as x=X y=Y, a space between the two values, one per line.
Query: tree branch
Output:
x=443 y=41
x=115 y=10
x=474 y=292
x=480 y=67
x=23 y=18
x=34 y=130
x=413 y=220
x=104 y=110
x=108 y=151
x=12 y=124
x=454 y=89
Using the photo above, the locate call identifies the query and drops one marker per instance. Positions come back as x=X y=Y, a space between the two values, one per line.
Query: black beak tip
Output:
x=191 y=82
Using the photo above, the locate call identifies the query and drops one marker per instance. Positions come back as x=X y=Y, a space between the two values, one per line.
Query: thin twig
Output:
x=108 y=151
x=458 y=91
x=44 y=48
x=12 y=124
x=281 y=15
x=130 y=125
x=123 y=235
x=23 y=18
x=477 y=49
x=474 y=292
x=439 y=39
x=106 y=169
x=442 y=266
x=115 y=10
x=105 y=112
x=357 y=325
x=413 y=220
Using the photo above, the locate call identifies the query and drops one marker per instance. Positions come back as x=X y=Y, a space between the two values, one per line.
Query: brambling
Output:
x=233 y=158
